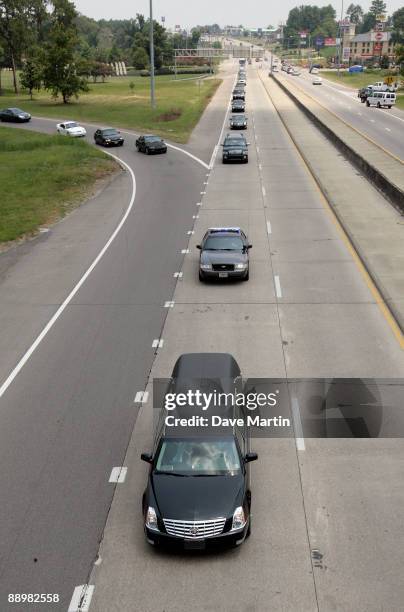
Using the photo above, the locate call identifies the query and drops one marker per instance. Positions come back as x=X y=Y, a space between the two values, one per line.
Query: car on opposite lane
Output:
x=149 y=144
x=108 y=137
x=198 y=493
x=238 y=106
x=224 y=254
x=238 y=122
x=14 y=115
x=71 y=128
x=317 y=80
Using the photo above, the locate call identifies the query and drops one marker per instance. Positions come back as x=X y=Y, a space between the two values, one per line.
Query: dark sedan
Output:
x=238 y=106
x=224 y=254
x=238 y=122
x=16 y=115
x=151 y=144
x=198 y=492
x=238 y=94
x=108 y=137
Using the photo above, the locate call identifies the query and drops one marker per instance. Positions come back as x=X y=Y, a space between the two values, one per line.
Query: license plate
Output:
x=194 y=544
x=223 y=274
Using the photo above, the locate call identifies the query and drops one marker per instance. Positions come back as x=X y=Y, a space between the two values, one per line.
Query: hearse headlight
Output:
x=239 y=520
x=151 y=519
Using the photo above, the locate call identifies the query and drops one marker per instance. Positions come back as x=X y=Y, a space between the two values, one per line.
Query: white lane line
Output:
x=360 y=114
x=199 y=203
x=371 y=120
x=391 y=114
x=217 y=146
x=269 y=228
x=297 y=422
x=195 y=216
x=184 y=251
x=203 y=192
x=141 y=397
x=278 y=289
x=76 y=288
x=264 y=193
x=387 y=129
x=169 y=304
x=178 y=274
x=118 y=475
x=157 y=343
x=190 y=232
x=80 y=602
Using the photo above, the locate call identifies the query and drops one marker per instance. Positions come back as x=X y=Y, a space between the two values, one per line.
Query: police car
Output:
x=224 y=254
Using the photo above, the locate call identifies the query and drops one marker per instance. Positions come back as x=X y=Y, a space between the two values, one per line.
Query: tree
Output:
x=397 y=22
x=400 y=58
x=384 y=62
x=377 y=7
x=140 y=58
x=61 y=67
x=31 y=73
x=368 y=23
x=355 y=13
x=12 y=30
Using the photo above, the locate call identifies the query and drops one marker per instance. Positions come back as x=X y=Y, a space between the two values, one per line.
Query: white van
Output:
x=381 y=98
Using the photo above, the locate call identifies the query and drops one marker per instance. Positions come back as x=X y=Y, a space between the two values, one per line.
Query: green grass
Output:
x=42 y=178
x=357 y=80
x=179 y=104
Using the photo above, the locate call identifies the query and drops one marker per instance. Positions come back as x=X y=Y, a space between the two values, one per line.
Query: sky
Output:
x=188 y=13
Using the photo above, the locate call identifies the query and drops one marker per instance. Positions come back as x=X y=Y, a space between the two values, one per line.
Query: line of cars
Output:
x=379 y=94
x=235 y=145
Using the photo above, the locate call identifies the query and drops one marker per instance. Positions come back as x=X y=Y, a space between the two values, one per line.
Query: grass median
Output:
x=356 y=80
x=179 y=104
x=44 y=177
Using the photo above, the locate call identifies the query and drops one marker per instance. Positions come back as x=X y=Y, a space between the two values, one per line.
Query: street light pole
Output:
x=152 y=96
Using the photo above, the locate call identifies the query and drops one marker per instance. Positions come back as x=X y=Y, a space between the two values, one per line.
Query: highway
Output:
x=383 y=126
x=327 y=515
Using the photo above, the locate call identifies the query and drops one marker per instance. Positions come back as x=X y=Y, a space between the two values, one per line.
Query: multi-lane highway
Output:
x=383 y=126
x=327 y=514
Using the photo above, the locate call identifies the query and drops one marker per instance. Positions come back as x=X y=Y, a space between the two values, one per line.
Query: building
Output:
x=369 y=46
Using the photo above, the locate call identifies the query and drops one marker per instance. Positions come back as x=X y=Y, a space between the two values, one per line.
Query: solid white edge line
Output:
x=76 y=288
x=217 y=146
x=82 y=595
x=278 y=286
x=269 y=228
x=297 y=422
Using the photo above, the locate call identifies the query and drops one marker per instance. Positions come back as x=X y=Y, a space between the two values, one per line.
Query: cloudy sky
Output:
x=187 y=13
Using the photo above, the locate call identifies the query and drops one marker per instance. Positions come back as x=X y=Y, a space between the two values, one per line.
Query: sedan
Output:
x=16 y=115
x=238 y=106
x=224 y=254
x=108 y=137
x=71 y=128
x=238 y=122
x=151 y=144
x=317 y=80
x=238 y=94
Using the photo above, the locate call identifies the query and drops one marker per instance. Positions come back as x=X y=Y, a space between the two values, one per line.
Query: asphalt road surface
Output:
x=383 y=126
x=328 y=523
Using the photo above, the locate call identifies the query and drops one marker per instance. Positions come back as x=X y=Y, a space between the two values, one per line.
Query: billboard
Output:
x=378 y=37
x=329 y=42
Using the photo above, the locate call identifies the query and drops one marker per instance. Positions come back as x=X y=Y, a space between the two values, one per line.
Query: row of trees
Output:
x=58 y=49
x=322 y=21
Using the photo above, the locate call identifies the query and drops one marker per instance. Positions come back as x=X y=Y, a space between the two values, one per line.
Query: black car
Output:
x=151 y=144
x=15 y=115
x=363 y=93
x=238 y=106
x=235 y=148
x=224 y=254
x=238 y=122
x=198 y=492
x=238 y=94
x=108 y=137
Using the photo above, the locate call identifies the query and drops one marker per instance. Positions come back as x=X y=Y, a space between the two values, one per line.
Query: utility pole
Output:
x=340 y=37
x=152 y=96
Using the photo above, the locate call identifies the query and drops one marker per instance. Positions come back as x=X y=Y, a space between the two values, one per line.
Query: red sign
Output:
x=378 y=47
x=329 y=42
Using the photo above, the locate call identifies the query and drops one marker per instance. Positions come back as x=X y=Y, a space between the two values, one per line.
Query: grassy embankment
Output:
x=42 y=178
x=179 y=104
x=357 y=80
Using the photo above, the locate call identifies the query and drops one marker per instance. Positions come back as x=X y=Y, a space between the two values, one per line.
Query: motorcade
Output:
x=108 y=137
x=198 y=494
x=317 y=80
x=238 y=122
x=381 y=99
x=14 y=115
x=224 y=254
x=71 y=128
x=238 y=106
x=150 y=144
